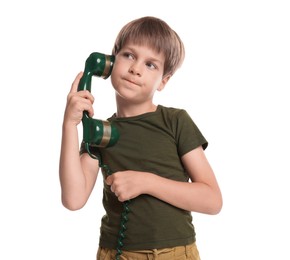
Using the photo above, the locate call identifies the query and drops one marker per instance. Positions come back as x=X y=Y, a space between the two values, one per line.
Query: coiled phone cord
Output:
x=126 y=210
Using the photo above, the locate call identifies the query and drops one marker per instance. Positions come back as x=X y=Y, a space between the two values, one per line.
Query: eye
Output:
x=151 y=65
x=128 y=55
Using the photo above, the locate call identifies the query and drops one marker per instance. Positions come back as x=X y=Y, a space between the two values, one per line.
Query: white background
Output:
x=234 y=83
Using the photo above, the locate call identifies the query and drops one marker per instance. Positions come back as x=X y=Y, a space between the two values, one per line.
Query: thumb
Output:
x=75 y=84
x=109 y=180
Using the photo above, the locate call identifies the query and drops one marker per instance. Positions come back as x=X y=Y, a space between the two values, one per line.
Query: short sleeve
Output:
x=188 y=135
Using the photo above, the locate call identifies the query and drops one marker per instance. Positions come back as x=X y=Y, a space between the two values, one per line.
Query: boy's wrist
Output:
x=68 y=125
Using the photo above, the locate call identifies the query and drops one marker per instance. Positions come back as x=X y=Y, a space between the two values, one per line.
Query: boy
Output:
x=158 y=166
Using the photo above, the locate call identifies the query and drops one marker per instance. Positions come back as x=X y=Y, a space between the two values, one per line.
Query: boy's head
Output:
x=155 y=34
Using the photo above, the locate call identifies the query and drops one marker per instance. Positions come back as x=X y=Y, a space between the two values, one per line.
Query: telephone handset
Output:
x=97 y=132
x=101 y=133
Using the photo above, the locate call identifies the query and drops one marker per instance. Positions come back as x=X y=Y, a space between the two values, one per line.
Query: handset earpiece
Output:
x=97 y=64
x=97 y=132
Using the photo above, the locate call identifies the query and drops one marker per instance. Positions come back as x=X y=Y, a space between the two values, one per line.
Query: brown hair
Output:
x=156 y=34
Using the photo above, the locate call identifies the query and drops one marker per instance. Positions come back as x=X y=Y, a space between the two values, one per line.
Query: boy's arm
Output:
x=201 y=195
x=77 y=173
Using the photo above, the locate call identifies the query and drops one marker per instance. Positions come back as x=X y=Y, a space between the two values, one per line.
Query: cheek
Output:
x=113 y=79
x=116 y=76
x=118 y=69
x=156 y=82
x=115 y=72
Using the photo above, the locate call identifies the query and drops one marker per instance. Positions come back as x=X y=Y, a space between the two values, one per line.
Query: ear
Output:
x=164 y=82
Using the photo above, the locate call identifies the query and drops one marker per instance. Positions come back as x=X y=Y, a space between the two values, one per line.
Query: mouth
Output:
x=132 y=81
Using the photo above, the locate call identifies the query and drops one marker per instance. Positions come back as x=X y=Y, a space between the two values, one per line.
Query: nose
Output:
x=135 y=69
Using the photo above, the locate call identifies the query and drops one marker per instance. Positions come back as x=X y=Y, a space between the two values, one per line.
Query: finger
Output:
x=112 y=189
x=75 y=84
x=86 y=94
x=108 y=180
x=121 y=199
x=87 y=106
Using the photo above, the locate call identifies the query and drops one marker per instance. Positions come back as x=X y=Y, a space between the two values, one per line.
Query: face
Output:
x=138 y=73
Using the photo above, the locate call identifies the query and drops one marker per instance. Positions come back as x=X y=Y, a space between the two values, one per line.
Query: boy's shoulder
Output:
x=173 y=111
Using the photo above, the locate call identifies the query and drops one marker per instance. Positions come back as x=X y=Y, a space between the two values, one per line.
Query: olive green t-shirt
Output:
x=152 y=142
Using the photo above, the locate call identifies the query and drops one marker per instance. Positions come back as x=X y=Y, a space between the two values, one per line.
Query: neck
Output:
x=129 y=110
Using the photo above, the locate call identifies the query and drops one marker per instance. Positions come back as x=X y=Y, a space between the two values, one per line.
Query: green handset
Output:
x=101 y=133
x=97 y=132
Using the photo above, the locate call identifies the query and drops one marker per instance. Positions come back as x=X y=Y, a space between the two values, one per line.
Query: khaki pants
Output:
x=189 y=252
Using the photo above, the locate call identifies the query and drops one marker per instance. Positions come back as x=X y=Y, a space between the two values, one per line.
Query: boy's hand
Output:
x=127 y=184
x=77 y=103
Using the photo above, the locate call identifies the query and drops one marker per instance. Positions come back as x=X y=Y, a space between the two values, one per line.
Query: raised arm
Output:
x=77 y=173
